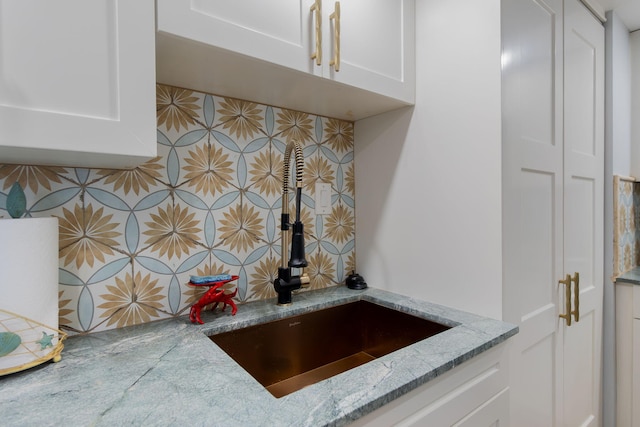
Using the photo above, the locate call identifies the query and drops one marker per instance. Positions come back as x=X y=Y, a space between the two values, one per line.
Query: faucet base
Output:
x=286 y=283
x=284 y=297
x=283 y=286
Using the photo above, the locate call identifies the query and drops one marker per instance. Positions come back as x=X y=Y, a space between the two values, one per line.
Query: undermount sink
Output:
x=291 y=353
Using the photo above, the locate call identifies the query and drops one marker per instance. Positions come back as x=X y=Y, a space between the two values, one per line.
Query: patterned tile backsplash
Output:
x=626 y=216
x=208 y=204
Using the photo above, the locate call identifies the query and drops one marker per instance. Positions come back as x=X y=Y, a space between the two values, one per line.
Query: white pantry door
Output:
x=553 y=74
x=532 y=205
x=583 y=210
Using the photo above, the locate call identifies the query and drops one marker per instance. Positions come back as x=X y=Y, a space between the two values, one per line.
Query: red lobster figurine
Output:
x=214 y=294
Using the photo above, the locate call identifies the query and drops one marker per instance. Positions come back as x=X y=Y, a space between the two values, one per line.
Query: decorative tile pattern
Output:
x=626 y=236
x=208 y=204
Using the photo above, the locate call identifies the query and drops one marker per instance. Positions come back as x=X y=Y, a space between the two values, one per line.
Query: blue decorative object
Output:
x=16 y=201
x=45 y=341
x=206 y=279
x=8 y=342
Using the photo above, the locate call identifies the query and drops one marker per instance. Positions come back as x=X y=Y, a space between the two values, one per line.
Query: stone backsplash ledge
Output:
x=208 y=204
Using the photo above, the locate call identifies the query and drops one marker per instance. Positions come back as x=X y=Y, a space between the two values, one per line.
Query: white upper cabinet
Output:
x=347 y=59
x=77 y=82
x=376 y=45
x=276 y=30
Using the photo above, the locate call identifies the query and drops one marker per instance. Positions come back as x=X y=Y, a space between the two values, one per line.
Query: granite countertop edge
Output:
x=632 y=276
x=170 y=373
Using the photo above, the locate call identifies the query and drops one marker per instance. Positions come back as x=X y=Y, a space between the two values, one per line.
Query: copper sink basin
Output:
x=291 y=353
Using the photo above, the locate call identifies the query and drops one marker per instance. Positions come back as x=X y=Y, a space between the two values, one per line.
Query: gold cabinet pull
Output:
x=335 y=16
x=576 y=296
x=567 y=299
x=316 y=9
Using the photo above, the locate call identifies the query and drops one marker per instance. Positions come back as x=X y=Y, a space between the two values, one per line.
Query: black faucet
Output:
x=285 y=283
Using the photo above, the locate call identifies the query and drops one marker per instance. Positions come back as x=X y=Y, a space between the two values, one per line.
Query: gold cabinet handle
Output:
x=316 y=9
x=576 y=296
x=567 y=299
x=335 y=16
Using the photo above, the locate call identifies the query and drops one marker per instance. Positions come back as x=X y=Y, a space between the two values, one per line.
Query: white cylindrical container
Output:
x=29 y=268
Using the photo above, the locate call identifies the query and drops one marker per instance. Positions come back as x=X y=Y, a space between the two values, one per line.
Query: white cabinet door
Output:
x=77 y=82
x=553 y=154
x=635 y=372
x=476 y=393
x=627 y=351
x=377 y=47
x=627 y=354
x=276 y=31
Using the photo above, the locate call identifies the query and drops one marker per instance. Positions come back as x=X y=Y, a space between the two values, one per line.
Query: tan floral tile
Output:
x=131 y=299
x=240 y=119
x=178 y=109
x=173 y=232
x=32 y=179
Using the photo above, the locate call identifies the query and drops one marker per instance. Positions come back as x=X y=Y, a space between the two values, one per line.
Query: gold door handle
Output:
x=316 y=9
x=335 y=16
x=576 y=296
x=567 y=299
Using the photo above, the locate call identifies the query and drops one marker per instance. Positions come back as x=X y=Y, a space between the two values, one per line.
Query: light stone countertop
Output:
x=170 y=373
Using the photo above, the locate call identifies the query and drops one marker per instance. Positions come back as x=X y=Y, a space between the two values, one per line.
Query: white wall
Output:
x=428 y=178
x=617 y=162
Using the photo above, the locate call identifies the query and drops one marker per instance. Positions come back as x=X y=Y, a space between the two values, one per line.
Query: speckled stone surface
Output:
x=170 y=373
x=631 y=276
